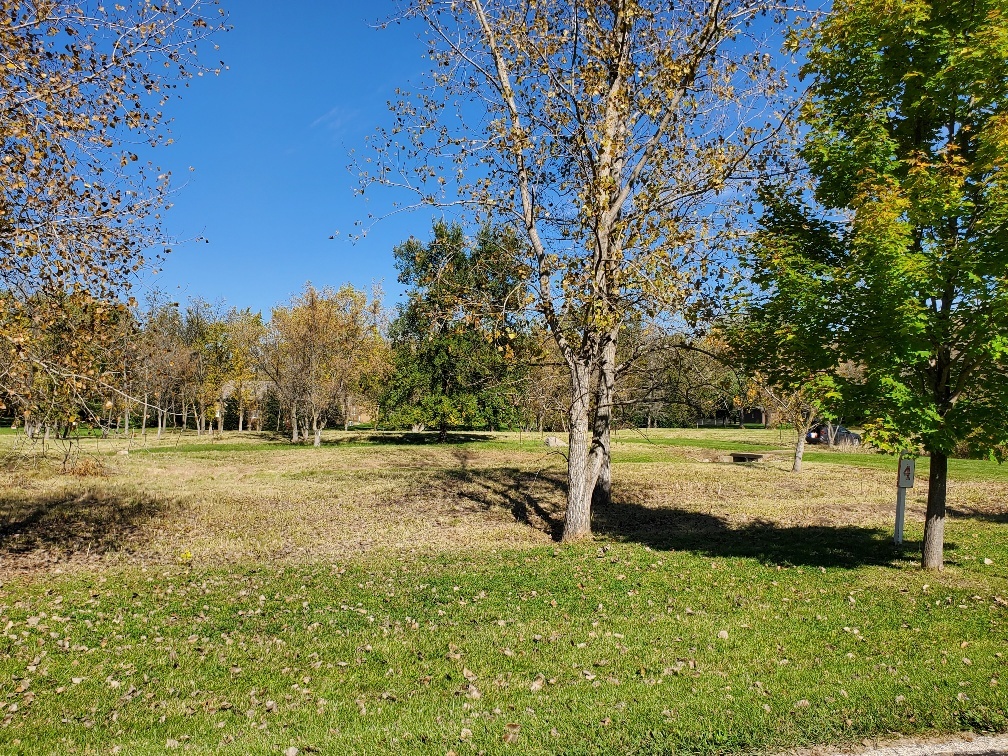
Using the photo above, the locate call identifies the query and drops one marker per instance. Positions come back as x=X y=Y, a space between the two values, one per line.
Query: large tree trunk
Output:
x=934 y=524
x=601 y=440
x=318 y=431
x=577 y=522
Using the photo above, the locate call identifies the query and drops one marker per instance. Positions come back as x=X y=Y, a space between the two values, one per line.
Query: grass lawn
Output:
x=381 y=594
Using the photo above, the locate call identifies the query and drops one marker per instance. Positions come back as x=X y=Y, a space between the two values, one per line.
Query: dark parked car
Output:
x=820 y=434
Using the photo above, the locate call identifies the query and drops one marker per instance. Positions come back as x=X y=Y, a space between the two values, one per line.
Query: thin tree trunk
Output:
x=294 y=423
x=934 y=524
x=318 y=431
x=241 y=415
x=577 y=521
x=143 y=423
x=799 y=452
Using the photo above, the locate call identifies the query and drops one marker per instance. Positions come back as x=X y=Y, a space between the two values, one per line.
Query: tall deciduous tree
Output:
x=81 y=84
x=245 y=332
x=606 y=131
x=454 y=342
x=318 y=352
x=788 y=337
x=908 y=144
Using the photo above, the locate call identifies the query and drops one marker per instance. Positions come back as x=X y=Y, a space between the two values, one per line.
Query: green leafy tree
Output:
x=908 y=144
x=454 y=341
x=787 y=338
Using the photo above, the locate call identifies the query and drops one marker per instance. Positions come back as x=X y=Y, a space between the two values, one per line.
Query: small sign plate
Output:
x=906 y=473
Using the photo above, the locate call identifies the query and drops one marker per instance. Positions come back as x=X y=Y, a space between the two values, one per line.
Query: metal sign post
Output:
x=904 y=480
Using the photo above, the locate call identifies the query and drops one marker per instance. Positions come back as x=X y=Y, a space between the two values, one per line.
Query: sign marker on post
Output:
x=904 y=480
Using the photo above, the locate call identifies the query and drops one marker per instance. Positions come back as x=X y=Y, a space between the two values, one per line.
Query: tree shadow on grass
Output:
x=533 y=498
x=974 y=513
x=677 y=529
x=420 y=438
x=36 y=529
x=537 y=499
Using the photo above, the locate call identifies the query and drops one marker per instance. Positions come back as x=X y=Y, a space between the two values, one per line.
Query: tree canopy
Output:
x=457 y=339
x=907 y=145
x=81 y=86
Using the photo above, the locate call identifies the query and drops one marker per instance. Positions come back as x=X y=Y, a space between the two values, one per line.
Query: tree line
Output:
x=462 y=352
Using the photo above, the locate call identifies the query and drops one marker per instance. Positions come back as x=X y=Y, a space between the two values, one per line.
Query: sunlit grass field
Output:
x=387 y=593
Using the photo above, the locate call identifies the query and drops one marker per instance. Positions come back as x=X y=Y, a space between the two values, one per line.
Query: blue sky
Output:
x=268 y=143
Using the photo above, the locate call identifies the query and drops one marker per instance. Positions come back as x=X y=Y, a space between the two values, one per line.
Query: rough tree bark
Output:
x=934 y=523
x=601 y=433
x=316 y=429
x=577 y=523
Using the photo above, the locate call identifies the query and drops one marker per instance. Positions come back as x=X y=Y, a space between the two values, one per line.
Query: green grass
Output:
x=388 y=595
x=376 y=657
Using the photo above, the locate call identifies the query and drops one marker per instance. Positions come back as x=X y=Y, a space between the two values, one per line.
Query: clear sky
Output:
x=268 y=142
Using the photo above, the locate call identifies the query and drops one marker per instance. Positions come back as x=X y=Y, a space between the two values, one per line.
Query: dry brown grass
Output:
x=300 y=505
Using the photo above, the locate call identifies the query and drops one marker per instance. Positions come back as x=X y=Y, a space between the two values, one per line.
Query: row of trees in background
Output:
x=460 y=352
x=173 y=366
x=83 y=90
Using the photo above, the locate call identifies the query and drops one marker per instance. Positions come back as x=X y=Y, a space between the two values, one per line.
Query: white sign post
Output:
x=904 y=480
